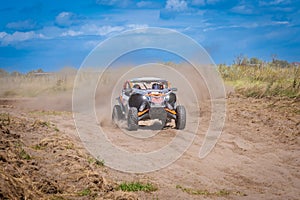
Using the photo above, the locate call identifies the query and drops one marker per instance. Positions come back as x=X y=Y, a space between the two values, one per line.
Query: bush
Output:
x=137 y=186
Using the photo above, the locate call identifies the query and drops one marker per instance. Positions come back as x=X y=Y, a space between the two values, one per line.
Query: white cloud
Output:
x=198 y=2
x=65 y=19
x=214 y=28
x=22 y=25
x=242 y=9
x=93 y=29
x=105 y=30
x=71 y=33
x=117 y=3
x=274 y=2
x=176 y=5
x=2 y=34
x=98 y=30
x=144 y=4
x=212 y=1
x=137 y=26
x=91 y=44
x=106 y=2
x=281 y=22
x=8 y=39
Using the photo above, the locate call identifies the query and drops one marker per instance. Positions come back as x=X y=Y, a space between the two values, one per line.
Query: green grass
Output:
x=84 y=192
x=37 y=147
x=70 y=146
x=24 y=155
x=4 y=119
x=219 y=193
x=9 y=93
x=41 y=123
x=90 y=160
x=259 y=82
x=49 y=112
x=55 y=197
x=99 y=162
x=193 y=191
x=137 y=186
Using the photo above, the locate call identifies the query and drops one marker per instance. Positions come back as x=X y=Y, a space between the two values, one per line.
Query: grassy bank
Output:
x=31 y=86
x=262 y=81
x=249 y=80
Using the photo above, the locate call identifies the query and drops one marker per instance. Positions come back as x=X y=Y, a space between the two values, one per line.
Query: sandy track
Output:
x=257 y=155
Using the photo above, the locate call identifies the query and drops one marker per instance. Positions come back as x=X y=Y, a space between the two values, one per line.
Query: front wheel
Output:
x=132 y=119
x=117 y=114
x=180 y=117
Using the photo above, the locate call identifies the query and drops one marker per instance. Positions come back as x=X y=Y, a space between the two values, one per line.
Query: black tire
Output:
x=180 y=117
x=117 y=114
x=132 y=119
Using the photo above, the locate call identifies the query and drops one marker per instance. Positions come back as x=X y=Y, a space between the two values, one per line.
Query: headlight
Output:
x=167 y=98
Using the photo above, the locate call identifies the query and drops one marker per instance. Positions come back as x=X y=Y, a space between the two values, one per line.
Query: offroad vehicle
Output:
x=148 y=98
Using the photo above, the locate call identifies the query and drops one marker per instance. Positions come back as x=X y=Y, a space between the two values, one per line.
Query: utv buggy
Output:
x=148 y=98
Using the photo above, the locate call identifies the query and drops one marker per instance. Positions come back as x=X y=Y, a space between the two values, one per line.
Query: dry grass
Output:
x=250 y=81
x=219 y=193
x=258 y=82
x=39 y=163
x=31 y=86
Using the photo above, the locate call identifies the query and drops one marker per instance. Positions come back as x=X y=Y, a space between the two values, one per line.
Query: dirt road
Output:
x=256 y=157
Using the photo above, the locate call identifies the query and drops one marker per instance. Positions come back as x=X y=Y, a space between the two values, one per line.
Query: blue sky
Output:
x=51 y=34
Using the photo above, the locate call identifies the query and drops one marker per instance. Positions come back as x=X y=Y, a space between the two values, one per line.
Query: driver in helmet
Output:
x=137 y=86
x=157 y=86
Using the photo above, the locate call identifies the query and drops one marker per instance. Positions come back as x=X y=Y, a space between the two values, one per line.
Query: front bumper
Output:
x=160 y=113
